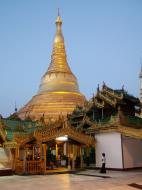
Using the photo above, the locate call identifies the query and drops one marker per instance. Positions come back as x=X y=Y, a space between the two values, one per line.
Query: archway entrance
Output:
x=67 y=154
x=89 y=156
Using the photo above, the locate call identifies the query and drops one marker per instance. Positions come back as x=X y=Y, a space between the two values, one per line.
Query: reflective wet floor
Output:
x=83 y=180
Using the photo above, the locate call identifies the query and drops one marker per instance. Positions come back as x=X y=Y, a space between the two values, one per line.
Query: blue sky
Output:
x=103 y=40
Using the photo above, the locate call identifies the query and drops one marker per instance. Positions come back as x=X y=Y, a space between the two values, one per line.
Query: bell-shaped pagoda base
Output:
x=51 y=105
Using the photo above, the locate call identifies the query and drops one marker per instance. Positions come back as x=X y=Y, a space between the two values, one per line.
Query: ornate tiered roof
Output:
x=109 y=110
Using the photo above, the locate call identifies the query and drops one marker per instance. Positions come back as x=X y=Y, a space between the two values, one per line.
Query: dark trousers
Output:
x=103 y=168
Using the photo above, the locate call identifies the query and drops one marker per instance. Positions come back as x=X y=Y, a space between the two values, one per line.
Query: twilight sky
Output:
x=103 y=40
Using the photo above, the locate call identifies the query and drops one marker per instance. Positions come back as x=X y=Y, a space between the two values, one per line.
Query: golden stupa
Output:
x=59 y=91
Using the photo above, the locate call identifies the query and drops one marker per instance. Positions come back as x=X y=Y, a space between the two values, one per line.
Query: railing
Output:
x=104 y=120
x=34 y=167
x=29 y=167
x=135 y=122
x=19 y=167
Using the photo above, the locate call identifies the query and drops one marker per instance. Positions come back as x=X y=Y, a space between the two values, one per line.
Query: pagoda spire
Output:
x=58 y=91
x=58 y=57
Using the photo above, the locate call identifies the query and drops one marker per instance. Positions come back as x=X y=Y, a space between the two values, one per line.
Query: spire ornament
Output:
x=58 y=57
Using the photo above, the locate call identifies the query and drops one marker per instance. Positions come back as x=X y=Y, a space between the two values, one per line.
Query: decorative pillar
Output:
x=56 y=151
x=24 y=162
x=87 y=155
x=15 y=157
x=44 y=150
x=17 y=152
x=10 y=160
x=33 y=153
x=65 y=148
x=41 y=153
x=81 y=157
x=95 y=155
x=87 y=151
x=68 y=151
x=73 y=157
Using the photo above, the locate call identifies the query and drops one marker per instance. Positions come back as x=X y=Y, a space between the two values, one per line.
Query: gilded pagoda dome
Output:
x=58 y=92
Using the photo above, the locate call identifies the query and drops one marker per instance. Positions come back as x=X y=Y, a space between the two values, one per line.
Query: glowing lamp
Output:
x=62 y=138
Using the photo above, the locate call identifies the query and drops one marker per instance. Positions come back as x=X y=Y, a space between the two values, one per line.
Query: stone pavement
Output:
x=83 y=180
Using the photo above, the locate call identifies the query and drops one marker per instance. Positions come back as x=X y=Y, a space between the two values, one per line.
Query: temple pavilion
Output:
x=113 y=118
x=59 y=128
x=109 y=122
x=36 y=147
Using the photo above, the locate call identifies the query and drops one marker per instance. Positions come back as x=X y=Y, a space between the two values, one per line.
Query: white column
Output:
x=65 y=149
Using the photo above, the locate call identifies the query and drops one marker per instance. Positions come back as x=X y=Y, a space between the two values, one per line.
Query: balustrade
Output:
x=29 y=167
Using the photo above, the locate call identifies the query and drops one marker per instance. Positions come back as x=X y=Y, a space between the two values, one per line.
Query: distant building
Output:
x=140 y=76
x=110 y=118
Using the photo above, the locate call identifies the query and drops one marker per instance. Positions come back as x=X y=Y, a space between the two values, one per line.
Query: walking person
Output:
x=103 y=168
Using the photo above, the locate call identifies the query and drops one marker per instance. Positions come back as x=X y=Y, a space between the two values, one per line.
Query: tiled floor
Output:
x=84 y=180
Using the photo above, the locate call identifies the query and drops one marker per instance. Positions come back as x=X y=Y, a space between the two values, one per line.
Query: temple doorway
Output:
x=64 y=154
x=89 y=156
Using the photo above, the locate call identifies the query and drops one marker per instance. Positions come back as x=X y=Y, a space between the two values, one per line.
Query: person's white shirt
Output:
x=103 y=160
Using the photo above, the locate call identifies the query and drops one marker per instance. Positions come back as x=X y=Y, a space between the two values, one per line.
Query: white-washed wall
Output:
x=110 y=144
x=132 y=151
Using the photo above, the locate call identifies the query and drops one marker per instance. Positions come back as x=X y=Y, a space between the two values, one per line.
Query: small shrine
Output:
x=36 y=148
